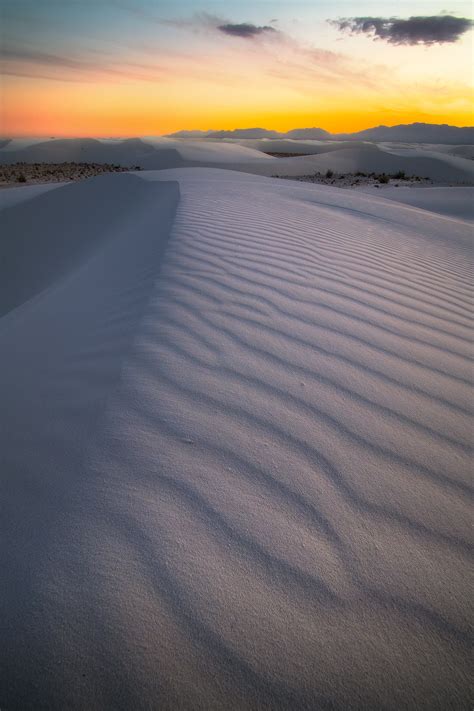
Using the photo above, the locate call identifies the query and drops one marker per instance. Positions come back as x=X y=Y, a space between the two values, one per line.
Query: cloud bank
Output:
x=245 y=29
x=437 y=29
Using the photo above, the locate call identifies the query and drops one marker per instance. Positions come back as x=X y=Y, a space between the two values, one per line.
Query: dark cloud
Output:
x=437 y=29
x=245 y=29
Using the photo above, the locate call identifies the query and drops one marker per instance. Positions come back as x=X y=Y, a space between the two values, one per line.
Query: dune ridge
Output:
x=251 y=463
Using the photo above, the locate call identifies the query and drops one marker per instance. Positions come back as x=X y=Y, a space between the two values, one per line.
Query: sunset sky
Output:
x=143 y=67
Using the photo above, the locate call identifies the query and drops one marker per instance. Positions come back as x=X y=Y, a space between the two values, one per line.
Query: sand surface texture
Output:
x=235 y=447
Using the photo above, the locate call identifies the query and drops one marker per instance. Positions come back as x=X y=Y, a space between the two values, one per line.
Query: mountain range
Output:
x=409 y=133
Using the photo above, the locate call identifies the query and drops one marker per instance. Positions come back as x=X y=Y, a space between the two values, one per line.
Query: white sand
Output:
x=453 y=201
x=14 y=195
x=235 y=466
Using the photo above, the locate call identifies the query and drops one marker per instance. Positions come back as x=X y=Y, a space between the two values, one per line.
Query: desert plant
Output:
x=329 y=173
x=21 y=178
x=384 y=179
x=400 y=175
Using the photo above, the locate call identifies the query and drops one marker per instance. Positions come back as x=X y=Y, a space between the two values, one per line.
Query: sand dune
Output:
x=460 y=151
x=235 y=446
x=371 y=158
x=15 y=195
x=454 y=202
x=212 y=151
x=310 y=147
x=148 y=153
x=454 y=158
x=129 y=153
x=162 y=153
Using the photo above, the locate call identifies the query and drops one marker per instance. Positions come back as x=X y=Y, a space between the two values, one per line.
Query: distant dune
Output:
x=370 y=158
x=91 y=150
x=235 y=435
x=249 y=155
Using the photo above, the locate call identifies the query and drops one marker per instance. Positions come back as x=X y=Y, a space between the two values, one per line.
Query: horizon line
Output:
x=215 y=130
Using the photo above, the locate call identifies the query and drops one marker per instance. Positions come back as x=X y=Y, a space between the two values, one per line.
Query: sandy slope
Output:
x=455 y=202
x=460 y=151
x=15 y=195
x=236 y=475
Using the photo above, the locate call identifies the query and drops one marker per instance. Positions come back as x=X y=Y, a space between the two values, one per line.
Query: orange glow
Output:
x=277 y=88
x=96 y=110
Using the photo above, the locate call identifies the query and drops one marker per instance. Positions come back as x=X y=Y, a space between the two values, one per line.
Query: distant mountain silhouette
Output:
x=414 y=133
x=409 y=133
x=189 y=134
x=308 y=134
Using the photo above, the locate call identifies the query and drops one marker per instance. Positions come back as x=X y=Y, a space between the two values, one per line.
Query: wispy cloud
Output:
x=425 y=30
x=297 y=65
x=245 y=30
x=20 y=61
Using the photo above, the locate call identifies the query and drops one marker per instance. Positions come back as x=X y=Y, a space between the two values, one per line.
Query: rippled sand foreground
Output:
x=235 y=447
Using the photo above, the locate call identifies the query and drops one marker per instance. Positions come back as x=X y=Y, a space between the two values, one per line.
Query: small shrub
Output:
x=400 y=175
x=384 y=179
x=329 y=174
x=21 y=178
